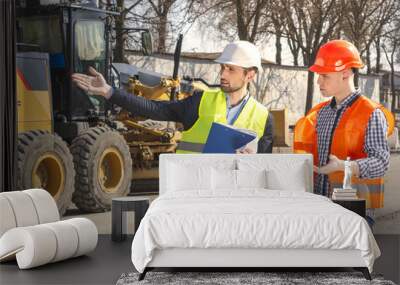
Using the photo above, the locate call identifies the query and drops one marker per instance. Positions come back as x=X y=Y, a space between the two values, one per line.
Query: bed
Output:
x=224 y=210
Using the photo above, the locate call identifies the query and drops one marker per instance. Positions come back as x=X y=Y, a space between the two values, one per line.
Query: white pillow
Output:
x=290 y=179
x=251 y=178
x=228 y=179
x=188 y=177
x=223 y=179
x=281 y=174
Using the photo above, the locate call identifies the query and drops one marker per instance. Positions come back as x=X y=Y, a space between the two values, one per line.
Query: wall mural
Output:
x=285 y=87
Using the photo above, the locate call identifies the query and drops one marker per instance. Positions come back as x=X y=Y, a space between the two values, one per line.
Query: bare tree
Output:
x=164 y=18
x=161 y=9
x=246 y=20
x=121 y=34
x=377 y=44
x=363 y=23
x=249 y=18
x=398 y=56
x=154 y=15
x=294 y=49
x=278 y=23
x=310 y=23
x=391 y=47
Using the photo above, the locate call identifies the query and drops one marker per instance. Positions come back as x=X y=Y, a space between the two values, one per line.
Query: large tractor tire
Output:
x=45 y=161
x=103 y=167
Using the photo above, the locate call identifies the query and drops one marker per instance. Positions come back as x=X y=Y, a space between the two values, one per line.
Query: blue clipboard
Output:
x=225 y=139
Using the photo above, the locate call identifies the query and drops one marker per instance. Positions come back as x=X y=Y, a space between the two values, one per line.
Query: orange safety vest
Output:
x=348 y=141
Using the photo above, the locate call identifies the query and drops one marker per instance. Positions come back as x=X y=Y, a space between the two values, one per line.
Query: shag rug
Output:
x=242 y=278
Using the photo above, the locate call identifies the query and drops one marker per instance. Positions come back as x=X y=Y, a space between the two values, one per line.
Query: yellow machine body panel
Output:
x=34 y=92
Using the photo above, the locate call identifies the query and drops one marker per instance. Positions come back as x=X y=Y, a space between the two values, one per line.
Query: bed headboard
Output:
x=270 y=160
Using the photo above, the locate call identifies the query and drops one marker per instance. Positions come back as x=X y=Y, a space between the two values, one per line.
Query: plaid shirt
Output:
x=376 y=147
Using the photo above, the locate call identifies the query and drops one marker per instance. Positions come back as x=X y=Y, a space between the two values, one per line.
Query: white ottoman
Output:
x=31 y=232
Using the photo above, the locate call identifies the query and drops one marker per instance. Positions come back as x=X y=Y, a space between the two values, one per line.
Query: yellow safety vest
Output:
x=213 y=109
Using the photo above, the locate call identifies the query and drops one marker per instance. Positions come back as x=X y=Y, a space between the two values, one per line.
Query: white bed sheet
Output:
x=251 y=218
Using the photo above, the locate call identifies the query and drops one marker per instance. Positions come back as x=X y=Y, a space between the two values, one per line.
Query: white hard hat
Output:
x=241 y=53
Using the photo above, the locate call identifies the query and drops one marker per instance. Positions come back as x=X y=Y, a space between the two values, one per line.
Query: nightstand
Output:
x=356 y=205
x=138 y=204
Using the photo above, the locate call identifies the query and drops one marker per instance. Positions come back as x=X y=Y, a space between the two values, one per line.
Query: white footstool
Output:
x=31 y=232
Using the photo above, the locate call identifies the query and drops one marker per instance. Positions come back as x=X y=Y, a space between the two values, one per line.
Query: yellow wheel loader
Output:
x=74 y=145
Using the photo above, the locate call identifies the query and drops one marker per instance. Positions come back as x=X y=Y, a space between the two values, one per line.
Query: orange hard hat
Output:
x=336 y=55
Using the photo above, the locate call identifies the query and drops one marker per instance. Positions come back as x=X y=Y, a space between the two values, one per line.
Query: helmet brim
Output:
x=319 y=69
x=324 y=69
x=222 y=61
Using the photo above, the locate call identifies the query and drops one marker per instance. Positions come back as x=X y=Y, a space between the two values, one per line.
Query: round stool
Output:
x=137 y=204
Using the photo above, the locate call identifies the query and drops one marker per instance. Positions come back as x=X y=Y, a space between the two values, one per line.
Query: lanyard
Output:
x=242 y=104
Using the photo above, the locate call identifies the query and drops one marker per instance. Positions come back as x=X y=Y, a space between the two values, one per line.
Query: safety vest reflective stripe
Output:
x=190 y=146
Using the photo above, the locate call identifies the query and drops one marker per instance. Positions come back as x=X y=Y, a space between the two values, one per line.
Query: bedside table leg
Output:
x=117 y=222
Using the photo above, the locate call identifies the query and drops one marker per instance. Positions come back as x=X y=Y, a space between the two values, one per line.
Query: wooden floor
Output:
x=110 y=259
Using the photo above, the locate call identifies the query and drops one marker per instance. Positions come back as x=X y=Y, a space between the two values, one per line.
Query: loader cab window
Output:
x=90 y=46
x=42 y=34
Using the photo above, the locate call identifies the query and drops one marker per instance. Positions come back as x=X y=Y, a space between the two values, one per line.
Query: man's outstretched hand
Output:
x=334 y=164
x=92 y=84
